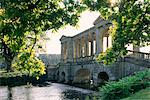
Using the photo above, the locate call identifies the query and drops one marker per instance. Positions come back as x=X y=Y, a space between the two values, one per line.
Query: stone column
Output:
x=86 y=45
x=80 y=42
x=80 y=48
x=77 y=48
x=62 y=52
x=69 y=43
x=107 y=40
x=110 y=41
x=95 y=43
x=68 y=51
x=74 y=50
x=92 y=47
x=99 y=41
x=83 y=47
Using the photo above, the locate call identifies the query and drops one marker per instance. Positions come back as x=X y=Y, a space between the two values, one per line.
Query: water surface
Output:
x=53 y=91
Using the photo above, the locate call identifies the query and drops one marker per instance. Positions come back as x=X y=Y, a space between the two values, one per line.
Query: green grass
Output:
x=141 y=95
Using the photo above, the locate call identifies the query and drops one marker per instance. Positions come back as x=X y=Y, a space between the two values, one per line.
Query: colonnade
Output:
x=86 y=44
x=89 y=43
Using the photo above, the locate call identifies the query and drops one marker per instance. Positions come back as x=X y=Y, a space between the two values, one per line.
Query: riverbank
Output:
x=143 y=94
x=52 y=91
x=17 y=78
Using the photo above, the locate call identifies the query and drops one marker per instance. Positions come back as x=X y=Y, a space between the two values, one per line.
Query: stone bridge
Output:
x=84 y=72
x=78 y=53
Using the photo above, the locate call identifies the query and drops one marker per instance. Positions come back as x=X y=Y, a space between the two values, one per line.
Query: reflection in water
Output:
x=77 y=95
x=9 y=93
x=53 y=91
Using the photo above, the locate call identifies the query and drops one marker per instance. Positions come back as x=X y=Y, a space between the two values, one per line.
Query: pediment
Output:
x=98 y=20
x=63 y=37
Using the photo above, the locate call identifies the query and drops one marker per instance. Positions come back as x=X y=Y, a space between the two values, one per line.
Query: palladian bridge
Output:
x=78 y=53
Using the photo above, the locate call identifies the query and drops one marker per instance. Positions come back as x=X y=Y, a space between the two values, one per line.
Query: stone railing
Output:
x=78 y=60
x=139 y=55
x=83 y=59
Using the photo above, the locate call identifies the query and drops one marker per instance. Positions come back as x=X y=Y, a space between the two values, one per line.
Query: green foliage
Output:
x=22 y=22
x=12 y=74
x=28 y=63
x=143 y=94
x=126 y=86
x=130 y=20
x=96 y=4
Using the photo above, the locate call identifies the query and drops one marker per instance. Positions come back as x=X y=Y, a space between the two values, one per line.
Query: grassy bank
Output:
x=141 y=95
x=126 y=86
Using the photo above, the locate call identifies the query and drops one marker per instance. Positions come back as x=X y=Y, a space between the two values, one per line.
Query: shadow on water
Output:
x=77 y=95
x=72 y=94
x=9 y=93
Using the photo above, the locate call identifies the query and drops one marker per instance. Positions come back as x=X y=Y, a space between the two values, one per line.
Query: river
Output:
x=52 y=91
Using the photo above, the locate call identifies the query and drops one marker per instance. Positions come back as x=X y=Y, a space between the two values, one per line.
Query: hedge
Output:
x=18 y=78
x=126 y=86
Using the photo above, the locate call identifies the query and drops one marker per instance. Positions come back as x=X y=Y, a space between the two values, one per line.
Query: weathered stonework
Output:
x=51 y=62
x=78 y=53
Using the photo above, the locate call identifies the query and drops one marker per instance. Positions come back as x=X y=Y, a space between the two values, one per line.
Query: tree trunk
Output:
x=8 y=55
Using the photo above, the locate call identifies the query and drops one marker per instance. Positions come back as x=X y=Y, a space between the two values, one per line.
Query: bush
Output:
x=18 y=78
x=126 y=86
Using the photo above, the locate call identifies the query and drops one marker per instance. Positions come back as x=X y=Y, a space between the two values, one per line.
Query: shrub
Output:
x=126 y=86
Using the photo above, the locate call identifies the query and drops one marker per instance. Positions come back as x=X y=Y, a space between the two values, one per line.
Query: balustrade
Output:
x=139 y=55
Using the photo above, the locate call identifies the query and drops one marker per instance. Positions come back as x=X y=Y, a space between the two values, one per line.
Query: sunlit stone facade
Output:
x=87 y=44
x=78 y=53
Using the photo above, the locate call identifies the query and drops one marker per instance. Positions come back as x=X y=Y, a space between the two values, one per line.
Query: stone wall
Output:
x=83 y=73
x=50 y=59
x=78 y=53
x=51 y=73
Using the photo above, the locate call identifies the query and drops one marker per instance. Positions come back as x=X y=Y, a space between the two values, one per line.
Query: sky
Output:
x=86 y=20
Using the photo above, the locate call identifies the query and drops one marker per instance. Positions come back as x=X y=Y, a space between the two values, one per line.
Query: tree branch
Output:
x=35 y=39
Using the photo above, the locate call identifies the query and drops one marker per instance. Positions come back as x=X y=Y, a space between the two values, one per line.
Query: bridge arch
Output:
x=82 y=75
x=102 y=77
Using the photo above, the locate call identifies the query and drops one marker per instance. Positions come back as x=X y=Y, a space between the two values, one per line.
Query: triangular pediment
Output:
x=98 y=20
x=63 y=37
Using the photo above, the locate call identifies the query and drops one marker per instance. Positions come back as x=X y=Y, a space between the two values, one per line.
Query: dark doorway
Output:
x=103 y=76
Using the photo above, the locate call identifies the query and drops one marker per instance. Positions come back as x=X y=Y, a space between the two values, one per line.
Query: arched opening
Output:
x=63 y=77
x=102 y=77
x=82 y=76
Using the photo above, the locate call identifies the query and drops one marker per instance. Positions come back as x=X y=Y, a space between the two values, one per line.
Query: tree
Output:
x=130 y=20
x=23 y=21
